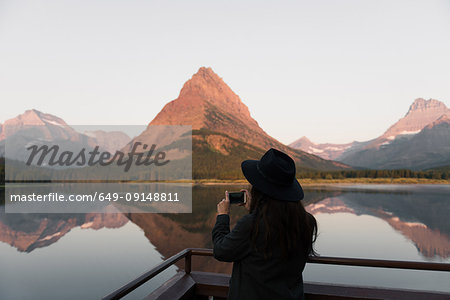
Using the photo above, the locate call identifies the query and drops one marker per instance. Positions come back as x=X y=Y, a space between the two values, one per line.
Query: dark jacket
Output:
x=253 y=276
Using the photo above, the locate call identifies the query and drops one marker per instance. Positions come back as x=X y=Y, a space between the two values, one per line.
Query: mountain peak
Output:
x=208 y=86
x=204 y=79
x=302 y=144
x=36 y=117
x=421 y=113
x=421 y=105
x=31 y=117
x=206 y=71
x=305 y=139
x=202 y=95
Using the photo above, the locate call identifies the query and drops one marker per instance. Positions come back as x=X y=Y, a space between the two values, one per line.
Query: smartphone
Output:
x=237 y=197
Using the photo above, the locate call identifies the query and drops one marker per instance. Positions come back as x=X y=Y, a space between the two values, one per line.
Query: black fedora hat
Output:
x=274 y=175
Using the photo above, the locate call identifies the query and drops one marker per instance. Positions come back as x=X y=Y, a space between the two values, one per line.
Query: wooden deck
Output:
x=201 y=285
x=188 y=284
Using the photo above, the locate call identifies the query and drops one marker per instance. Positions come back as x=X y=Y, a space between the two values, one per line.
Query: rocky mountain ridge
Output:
x=409 y=143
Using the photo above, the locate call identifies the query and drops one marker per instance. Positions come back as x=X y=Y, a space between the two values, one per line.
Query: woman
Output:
x=270 y=245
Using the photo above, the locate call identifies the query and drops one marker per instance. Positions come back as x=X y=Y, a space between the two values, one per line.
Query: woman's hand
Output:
x=223 y=207
x=249 y=200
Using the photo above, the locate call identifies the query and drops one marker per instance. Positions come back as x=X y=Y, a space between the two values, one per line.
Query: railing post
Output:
x=187 y=262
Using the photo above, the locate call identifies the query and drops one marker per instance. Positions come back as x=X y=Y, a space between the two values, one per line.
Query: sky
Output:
x=334 y=71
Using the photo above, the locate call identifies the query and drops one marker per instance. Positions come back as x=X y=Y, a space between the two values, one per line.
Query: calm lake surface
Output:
x=86 y=256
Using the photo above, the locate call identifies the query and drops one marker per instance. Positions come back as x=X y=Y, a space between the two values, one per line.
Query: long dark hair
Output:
x=283 y=222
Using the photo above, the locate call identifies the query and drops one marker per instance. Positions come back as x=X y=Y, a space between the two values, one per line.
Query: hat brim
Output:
x=293 y=192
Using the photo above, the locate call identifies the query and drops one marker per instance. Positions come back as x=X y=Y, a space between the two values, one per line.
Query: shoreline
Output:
x=308 y=181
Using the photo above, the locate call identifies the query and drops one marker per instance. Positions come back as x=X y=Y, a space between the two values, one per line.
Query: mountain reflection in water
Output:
x=419 y=214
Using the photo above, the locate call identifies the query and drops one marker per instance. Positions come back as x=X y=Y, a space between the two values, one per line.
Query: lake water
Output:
x=86 y=256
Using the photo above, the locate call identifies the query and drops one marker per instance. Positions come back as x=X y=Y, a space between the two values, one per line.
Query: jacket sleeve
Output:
x=234 y=245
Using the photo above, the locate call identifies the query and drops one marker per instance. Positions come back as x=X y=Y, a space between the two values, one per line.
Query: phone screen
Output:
x=236 y=197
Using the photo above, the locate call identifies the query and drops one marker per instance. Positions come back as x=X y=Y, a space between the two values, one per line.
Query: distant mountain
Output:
x=50 y=126
x=429 y=148
x=37 y=127
x=109 y=140
x=420 y=114
x=409 y=143
x=224 y=133
x=326 y=151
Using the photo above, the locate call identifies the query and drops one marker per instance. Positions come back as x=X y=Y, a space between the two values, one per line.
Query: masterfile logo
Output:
x=81 y=169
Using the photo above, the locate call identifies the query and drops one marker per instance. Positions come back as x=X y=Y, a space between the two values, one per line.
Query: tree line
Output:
x=225 y=168
x=401 y=173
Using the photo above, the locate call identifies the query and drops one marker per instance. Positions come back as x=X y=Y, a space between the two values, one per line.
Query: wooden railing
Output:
x=189 y=252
